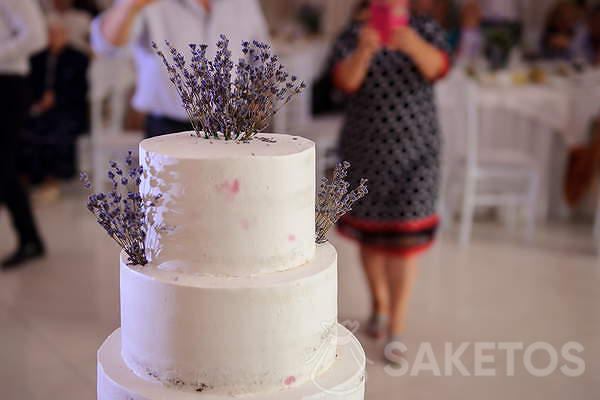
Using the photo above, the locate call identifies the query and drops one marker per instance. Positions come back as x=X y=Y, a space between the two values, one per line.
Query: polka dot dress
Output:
x=391 y=137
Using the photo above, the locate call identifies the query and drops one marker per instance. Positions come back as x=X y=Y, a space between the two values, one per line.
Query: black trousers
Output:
x=14 y=96
x=157 y=125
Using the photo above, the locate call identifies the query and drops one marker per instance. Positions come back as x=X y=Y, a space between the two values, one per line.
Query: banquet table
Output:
x=542 y=119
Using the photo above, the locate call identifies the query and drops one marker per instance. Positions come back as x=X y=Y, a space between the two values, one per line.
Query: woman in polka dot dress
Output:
x=391 y=137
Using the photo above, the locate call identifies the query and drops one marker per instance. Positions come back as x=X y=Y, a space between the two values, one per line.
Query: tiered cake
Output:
x=237 y=300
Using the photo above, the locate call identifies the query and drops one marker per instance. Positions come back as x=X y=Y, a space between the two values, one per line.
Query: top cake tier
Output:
x=231 y=208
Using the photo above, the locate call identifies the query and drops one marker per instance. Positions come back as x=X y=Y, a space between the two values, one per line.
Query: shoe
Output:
x=377 y=326
x=24 y=253
x=394 y=350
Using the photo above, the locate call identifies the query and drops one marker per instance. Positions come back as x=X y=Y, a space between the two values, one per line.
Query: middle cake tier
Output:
x=230 y=335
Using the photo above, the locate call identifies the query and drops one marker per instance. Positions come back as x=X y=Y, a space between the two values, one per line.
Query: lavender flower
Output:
x=219 y=104
x=123 y=212
x=333 y=200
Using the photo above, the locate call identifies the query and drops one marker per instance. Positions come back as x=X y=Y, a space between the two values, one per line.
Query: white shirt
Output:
x=77 y=24
x=181 y=22
x=22 y=33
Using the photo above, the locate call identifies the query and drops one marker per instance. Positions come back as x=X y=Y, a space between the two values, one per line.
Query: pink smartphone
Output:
x=386 y=17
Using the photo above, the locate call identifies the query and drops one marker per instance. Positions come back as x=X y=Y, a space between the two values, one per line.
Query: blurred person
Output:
x=75 y=21
x=326 y=96
x=447 y=15
x=502 y=25
x=59 y=112
x=583 y=167
x=561 y=30
x=589 y=45
x=181 y=22
x=471 y=37
x=391 y=137
x=424 y=7
x=103 y=4
x=91 y=7
x=22 y=33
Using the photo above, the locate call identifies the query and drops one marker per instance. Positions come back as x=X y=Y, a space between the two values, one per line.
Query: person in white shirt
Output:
x=181 y=22
x=22 y=33
x=76 y=22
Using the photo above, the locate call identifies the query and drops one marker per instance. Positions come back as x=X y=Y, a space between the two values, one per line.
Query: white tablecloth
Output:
x=543 y=120
x=543 y=105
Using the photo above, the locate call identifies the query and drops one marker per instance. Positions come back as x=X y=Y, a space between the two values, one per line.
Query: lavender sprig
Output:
x=223 y=99
x=333 y=200
x=122 y=212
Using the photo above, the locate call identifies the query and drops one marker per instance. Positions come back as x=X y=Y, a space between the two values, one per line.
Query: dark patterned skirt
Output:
x=402 y=239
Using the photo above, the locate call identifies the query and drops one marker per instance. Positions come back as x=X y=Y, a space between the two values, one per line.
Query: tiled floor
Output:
x=56 y=312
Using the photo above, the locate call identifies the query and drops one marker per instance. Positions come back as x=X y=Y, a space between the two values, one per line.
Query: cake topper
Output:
x=123 y=213
x=227 y=100
x=333 y=200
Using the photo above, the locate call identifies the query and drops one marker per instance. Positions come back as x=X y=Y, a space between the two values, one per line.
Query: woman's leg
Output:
x=401 y=275
x=374 y=265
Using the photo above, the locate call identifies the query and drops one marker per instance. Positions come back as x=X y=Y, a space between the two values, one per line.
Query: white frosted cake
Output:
x=237 y=299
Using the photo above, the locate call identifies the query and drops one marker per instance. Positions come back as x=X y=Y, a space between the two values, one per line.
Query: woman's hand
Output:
x=406 y=40
x=369 y=41
x=349 y=74
x=117 y=21
x=47 y=102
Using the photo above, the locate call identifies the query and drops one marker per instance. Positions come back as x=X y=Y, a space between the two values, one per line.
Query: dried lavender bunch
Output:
x=122 y=212
x=333 y=200
x=223 y=99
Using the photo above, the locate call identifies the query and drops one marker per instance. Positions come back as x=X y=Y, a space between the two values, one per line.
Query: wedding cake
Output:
x=237 y=299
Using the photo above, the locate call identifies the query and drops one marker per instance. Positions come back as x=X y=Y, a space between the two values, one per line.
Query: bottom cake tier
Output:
x=344 y=380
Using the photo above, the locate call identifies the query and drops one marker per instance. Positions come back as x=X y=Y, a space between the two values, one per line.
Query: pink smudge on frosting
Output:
x=289 y=380
x=292 y=238
x=230 y=188
x=235 y=187
x=245 y=224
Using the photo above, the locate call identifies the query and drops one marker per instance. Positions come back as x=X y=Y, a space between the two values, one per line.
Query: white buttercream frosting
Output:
x=237 y=300
x=233 y=208
x=345 y=380
x=233 y=335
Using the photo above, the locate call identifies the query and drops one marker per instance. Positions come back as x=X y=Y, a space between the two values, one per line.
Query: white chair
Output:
x=491 y=176
x=111 y=80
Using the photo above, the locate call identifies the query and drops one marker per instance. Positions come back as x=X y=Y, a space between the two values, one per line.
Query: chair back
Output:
x=111 y=80
x=456 y=98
